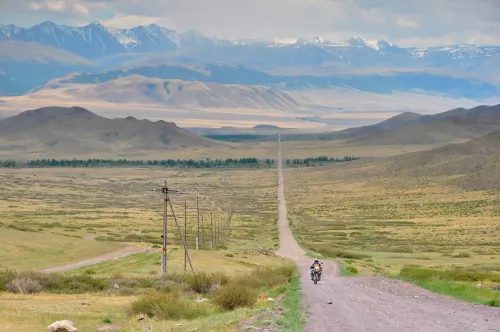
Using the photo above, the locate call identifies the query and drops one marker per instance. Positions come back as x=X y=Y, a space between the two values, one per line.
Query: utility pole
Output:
x=221 y=236
x=185 y=233
x=203 y=231
x=198 y=212
x=211 y=229
x=180 y=235
x=165 y=191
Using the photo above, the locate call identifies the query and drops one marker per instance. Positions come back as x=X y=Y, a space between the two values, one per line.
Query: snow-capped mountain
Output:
x=95 y=48
x=96 y=41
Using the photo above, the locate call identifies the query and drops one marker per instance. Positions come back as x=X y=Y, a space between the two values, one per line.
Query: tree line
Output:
x=181 y=163
x=184 y=163
x=319 y=160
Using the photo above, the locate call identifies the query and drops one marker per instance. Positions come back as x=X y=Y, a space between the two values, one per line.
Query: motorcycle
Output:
x=316 y=274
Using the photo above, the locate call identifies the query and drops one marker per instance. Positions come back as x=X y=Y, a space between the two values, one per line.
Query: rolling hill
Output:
x=474 y=164
x=411 y=128
x=76 y=130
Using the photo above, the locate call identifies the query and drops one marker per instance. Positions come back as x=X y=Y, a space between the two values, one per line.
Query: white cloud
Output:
x=70 y=8
x=406 y=22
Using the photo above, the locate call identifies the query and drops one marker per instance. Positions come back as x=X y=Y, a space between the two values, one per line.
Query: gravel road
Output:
x=106 y=257
x=374 y=303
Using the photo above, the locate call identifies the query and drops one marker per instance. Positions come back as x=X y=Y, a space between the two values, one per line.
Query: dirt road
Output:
x=373 y=303
x=106 y=257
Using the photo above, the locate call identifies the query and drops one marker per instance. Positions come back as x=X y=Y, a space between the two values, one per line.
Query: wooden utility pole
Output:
x=180 y=234
x=164 y=190
x=185 y=233
x=212 y=229
x=202 y=231
x=198 y=213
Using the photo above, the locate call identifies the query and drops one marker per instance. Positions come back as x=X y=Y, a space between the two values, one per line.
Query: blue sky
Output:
x=403 y=22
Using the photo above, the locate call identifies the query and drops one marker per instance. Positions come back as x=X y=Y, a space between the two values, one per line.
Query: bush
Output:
x=56 y=283
x=352 y=269
x=234 y=295
x=168 y=306
x=267 y=277
x=203 y=282
x=494 y=303
x=461 y=255
x=6 y=276
x=24 y=286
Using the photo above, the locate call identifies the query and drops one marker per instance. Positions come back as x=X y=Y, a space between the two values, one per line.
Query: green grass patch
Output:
x=458 y=283
x=292 y=319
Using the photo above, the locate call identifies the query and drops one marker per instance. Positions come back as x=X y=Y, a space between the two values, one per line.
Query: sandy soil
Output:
x=375 y=303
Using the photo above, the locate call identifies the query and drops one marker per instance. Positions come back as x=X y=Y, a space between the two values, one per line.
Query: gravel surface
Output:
x=375 y=303
x=106 y=257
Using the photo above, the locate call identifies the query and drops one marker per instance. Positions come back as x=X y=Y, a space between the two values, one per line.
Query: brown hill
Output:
x=474 y=164
x=451 y=126
x=76 y=130
x=394 y=122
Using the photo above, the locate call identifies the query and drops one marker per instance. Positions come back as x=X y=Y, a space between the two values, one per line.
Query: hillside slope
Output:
x=76 y=130
x=474 y=165
x=450 y=126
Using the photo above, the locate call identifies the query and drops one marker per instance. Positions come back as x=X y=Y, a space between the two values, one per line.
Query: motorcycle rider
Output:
x=313 y=265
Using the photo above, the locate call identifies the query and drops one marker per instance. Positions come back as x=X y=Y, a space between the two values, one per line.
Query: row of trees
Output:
x=182 y=163
x=319 y=160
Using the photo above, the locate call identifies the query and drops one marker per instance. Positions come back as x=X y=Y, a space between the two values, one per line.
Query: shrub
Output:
x=461 y=255
x=168 y=306
x=229 y=255
x=494 y=303
x=352 y=269
x=24 y=286
x=267 y=277
x=234 y=295
x=203 y=282
x=6 y=276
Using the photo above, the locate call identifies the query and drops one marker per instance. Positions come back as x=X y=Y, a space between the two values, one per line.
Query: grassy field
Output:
x=379 y=221
x=51 y=217
x=103 y=208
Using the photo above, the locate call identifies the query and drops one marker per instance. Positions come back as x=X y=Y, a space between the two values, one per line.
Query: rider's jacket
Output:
x=314 y=264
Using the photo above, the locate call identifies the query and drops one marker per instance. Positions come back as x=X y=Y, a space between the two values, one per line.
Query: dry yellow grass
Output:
x=82 y=205
x=393 y=219
x=23 y=313
x=59 y=214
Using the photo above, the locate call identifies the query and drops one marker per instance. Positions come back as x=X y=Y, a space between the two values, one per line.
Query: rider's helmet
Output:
x=316 y=261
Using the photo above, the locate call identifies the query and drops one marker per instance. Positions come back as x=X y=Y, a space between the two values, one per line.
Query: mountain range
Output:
x=96 y=41
x=95 y=63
